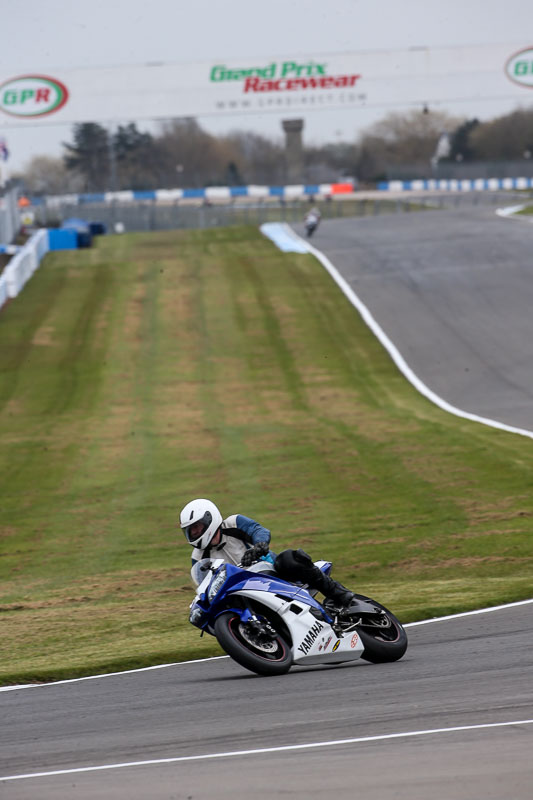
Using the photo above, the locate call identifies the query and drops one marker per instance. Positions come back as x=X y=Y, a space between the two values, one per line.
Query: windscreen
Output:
x=200 y=570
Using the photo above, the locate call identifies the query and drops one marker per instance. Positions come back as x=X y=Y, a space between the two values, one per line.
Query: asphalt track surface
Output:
x=453 y=289
x=453 y=720
x=460 y=673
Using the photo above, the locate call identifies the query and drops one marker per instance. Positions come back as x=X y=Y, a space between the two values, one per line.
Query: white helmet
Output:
x=203 y=511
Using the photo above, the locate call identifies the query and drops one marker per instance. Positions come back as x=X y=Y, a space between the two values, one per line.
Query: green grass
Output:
x=154 y=368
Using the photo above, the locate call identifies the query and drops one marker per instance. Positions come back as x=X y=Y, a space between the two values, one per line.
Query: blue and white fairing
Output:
x=212 y=601
x=312 y=636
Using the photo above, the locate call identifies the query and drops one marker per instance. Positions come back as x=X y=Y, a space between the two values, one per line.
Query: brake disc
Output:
x=256 y=639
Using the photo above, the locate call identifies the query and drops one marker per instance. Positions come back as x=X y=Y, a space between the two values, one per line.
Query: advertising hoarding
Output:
x=288 y=85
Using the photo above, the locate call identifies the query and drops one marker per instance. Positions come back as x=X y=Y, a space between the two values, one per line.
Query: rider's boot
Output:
x=297 y=565
x=332 y=590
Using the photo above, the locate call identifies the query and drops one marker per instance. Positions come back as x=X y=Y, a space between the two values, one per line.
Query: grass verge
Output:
x=158 y=367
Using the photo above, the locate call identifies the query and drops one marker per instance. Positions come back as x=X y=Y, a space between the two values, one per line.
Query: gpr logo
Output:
x=519 y=68
x=32 y=96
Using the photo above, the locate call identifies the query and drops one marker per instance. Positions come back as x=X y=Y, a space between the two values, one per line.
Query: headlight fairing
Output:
x=216 y=583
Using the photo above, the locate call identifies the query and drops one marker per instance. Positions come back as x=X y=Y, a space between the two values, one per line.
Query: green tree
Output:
x=233 y=175
x=461 y=142
x=88 y=155
x=509 y=137
x=134 y=158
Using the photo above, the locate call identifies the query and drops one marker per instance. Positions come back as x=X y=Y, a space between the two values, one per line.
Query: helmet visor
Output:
x=195 y=530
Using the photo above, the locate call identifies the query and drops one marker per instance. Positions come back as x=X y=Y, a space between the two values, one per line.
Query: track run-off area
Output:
x=454 y=717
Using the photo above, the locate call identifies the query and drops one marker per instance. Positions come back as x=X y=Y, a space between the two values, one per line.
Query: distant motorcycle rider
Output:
x=311 y=221
x=241 y=540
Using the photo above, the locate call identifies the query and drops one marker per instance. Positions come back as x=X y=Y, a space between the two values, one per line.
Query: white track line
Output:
x=109 y=674
x=217 y=658
x=393 y=351
x=262 y=750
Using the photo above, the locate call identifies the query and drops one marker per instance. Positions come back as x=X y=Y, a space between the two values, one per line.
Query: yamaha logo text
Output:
x=311 y=638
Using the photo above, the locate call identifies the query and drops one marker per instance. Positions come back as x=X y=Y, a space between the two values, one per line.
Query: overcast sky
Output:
x=44 y=35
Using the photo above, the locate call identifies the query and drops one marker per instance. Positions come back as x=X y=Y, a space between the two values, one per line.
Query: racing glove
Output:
x=254 y=554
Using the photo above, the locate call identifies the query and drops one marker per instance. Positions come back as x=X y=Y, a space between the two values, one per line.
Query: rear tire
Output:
x=266 y=655
x=383 y=637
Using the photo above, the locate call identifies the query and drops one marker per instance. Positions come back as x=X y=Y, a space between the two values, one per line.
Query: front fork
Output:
x=249 y=617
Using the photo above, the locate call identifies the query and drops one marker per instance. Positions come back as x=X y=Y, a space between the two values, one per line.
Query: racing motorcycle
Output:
x=311 y=222
x=268 y=625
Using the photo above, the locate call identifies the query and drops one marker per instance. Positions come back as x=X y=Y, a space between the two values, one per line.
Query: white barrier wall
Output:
x=23 y=265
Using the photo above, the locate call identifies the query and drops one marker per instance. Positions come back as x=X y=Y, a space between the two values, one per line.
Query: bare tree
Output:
x=259 y=159
x=188 y=155
x=47 y=175
x=330 y=162
x=402 y=138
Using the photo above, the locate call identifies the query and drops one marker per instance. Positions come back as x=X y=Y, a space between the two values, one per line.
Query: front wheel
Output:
x=382 y=635
x=255 y=644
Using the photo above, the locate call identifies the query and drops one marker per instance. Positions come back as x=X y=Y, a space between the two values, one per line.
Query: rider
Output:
x=241 y=540
x=312 y=218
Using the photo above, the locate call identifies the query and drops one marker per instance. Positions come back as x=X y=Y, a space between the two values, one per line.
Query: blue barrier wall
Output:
x=214 y=193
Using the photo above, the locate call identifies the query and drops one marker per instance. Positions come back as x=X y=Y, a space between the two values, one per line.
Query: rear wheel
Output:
x=255 y=645
x=382 y=635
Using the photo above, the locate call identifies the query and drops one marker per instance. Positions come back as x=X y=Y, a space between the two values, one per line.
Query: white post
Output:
x=4 y=155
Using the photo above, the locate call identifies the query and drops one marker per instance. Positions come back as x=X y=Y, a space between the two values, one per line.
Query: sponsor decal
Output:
x=291 y=84
x=310 y=638
x=283 y=76
x=355 y=639
x=32 y=96
x=519 y=68
x=336 y=646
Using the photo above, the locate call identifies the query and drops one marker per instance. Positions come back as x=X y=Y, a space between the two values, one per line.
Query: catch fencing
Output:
x=154 y=216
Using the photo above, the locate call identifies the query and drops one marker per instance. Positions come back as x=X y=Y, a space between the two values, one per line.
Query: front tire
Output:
x=265 y=653
x=383 y=636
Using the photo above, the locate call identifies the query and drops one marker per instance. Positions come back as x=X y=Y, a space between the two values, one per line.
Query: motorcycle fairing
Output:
x=269 y=589
x=312 y=637
x=262 y=582
x=313 y=640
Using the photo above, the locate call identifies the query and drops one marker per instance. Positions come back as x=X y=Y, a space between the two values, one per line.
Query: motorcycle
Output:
x=311 y=223
x=268 y=625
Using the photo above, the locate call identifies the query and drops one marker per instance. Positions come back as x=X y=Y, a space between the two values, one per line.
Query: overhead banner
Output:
x=387 y=78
